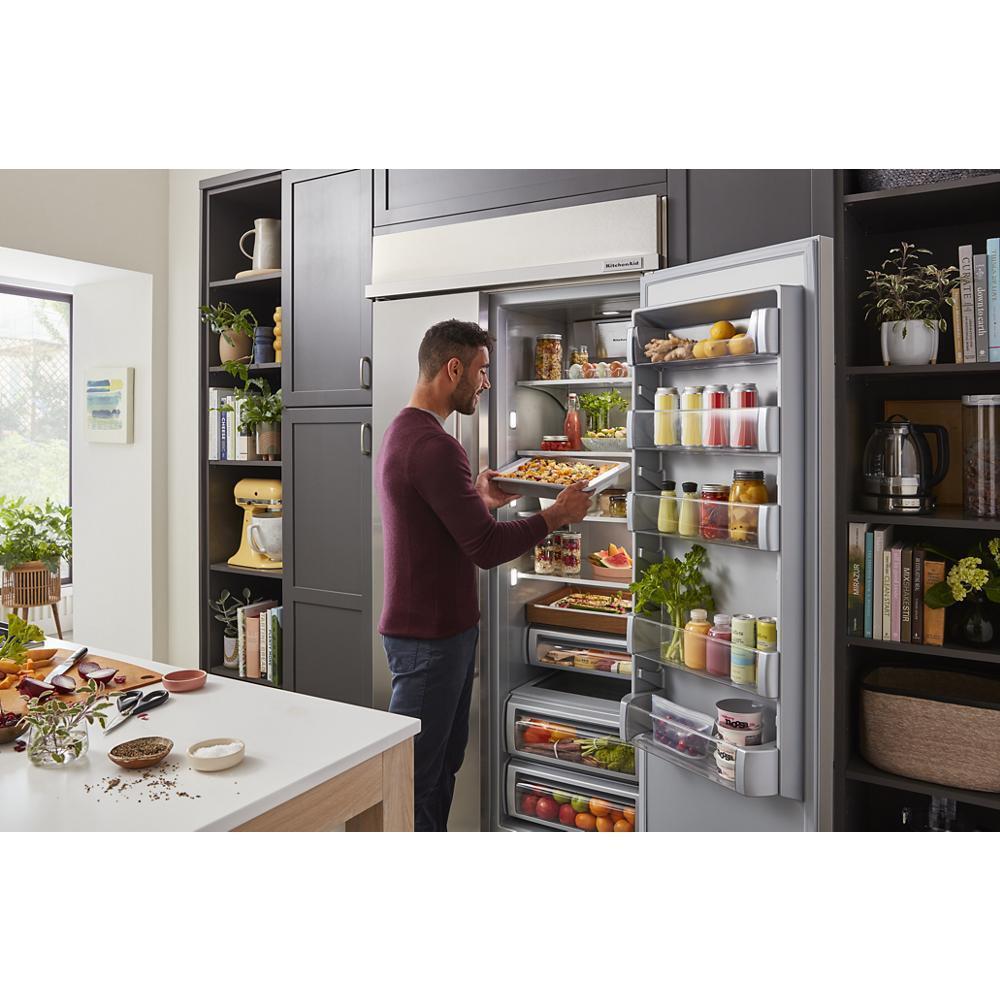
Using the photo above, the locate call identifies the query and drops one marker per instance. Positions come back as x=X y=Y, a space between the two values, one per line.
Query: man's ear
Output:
x=454 y=369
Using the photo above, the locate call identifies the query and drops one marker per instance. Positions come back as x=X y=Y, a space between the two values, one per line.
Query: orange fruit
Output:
x=604 y=825
x=599 y=807
x=585 y=821
x=629 y=813
x=622 y=826
x=722 y=330
x=616 y=815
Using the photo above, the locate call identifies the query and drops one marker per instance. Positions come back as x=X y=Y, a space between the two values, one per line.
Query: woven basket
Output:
x=881 y=180
x=30 y=585
x=933 y=725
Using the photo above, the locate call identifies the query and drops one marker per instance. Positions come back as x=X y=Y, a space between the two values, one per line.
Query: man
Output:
x=437 y=529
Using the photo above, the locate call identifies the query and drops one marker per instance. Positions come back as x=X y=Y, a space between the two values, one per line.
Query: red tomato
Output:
x=547 y=808
x=528 y=804
x=567 y=815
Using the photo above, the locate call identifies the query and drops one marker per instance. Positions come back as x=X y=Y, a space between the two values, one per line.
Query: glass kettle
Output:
x=897 y=467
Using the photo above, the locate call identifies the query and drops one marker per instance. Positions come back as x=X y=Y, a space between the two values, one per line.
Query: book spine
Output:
x=241 y=632
x=277 y=647
x=993 y=297
x=968 y=305
x=878 y=553
x=253 y=644
x=231 y=432
x=224 y=435
x=979 y=301
x=869 y=581
x=917 y=606
x=896 y=564
x=241 y=441
x=956 y=323
x=887 y=595
x=906 y=594
x=855 y=581
x=213 y=424
x=933 y=617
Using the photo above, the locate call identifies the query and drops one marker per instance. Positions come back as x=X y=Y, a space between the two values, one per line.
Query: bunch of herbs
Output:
x=598 y=407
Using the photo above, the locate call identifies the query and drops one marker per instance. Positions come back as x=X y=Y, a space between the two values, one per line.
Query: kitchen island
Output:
x=310 y=765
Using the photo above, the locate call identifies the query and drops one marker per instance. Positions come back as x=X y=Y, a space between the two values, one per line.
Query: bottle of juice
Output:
x=666 y=520
x=571 y=426
x=716 y=654
x=666 y=404
x=694 y=639
x=688 y=521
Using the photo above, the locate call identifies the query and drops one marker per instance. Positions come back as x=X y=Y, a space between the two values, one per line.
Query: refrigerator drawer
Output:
x=561 y=801
x=562 y=741
x=557 y=650
x=718 y=522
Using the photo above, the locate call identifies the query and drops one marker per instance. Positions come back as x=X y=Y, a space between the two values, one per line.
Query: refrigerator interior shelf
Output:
x=593 y=518
x=572 y=383
x=750 y=430
x=663 y=645
x=575 y=580
x=729 y=361
x=593 y=455
x=717 y=522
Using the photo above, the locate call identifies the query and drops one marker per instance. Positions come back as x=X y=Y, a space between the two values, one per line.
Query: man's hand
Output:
x=492 y=495
x=571 y=506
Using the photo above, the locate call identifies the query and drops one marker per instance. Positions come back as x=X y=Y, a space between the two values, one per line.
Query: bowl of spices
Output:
x=217 y=754
x=145 y=752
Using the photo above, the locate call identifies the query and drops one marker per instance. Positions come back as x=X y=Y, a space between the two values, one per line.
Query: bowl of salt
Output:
x=217 y=754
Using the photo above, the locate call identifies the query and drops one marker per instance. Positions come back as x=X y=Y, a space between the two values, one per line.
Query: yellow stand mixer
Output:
x=260 y=538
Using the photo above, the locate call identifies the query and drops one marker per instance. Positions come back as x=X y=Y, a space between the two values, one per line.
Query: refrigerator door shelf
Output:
x=749 y=526
x=752 y=430
x=555 y=650
x=596 y=798
x=662 y=645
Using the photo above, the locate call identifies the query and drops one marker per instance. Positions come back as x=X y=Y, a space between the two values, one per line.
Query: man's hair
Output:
x=451 y=338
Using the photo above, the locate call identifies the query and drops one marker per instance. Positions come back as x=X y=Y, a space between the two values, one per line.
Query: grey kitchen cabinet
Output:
x=415 y=196
x=326 y=261
x=716 y=212
x=327 y=582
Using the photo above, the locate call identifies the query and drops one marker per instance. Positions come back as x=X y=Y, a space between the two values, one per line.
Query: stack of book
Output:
x=224 y=439
x=975 y=305
x=258 y=641
x=886 y=583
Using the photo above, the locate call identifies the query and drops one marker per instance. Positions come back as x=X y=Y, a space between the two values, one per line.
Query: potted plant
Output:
x=235 y=330
x=910 y=301
x=57 y=730
x=260 y=410
x=33 y=540
x=225 y=609
x=973 y=583
x=674 y=587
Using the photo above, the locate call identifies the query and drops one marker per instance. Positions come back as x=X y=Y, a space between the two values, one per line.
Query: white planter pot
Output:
x=228 y=651
x=909 y=342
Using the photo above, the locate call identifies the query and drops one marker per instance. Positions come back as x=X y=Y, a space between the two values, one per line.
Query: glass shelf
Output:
x=746 y=431
x=719 y=522
x=571 y=383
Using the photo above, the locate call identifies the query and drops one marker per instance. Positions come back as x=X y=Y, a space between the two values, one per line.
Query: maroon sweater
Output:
x=436 y=531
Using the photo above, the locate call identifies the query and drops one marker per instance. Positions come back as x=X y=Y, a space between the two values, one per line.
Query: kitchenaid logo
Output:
x=623 y=264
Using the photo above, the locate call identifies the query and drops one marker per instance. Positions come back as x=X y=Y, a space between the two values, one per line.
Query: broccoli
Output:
x=611 y=754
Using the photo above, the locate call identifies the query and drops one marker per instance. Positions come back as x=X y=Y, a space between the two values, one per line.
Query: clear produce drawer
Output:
x=715 y=522
x=745 y=430
x=546 y=798
x=579 y=653
x=561 y=742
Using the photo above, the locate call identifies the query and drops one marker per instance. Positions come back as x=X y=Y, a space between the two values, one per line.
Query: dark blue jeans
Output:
x=432 y=682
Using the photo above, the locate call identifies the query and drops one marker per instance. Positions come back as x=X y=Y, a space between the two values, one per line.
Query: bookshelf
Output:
x=940 y=217
x=229 y=205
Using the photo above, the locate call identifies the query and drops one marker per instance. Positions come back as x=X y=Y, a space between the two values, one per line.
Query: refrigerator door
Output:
x=398 y=328
x=782 y=296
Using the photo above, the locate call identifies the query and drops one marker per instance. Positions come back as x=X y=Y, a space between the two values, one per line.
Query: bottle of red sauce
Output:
x=571 y=427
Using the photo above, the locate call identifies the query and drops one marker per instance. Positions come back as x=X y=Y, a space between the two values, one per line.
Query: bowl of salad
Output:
x=609 y=439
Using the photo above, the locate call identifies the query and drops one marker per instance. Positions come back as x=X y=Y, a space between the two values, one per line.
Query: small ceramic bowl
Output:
x=215 y=763
x=184 y=680
x=740 y=737
x=150 y=759
x=740 y=713
x=40 y=654
x=10 y=733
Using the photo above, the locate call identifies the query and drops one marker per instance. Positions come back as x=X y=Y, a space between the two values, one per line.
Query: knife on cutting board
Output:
x=66 y=664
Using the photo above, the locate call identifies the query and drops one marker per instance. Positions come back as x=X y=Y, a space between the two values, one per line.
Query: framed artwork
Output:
x=108 y=402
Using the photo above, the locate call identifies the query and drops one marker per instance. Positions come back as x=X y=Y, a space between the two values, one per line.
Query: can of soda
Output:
x=743 y=659
x=767 y=634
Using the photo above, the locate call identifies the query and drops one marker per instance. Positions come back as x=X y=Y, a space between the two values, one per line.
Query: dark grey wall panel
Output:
x=330 y=646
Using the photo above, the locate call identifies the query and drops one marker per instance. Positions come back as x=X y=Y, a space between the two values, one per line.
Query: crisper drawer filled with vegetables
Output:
x=547 y=798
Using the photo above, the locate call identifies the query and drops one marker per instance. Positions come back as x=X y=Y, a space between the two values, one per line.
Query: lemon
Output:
x=722 y=330
x=698 y=351
x=716 y=348
x=741 y=345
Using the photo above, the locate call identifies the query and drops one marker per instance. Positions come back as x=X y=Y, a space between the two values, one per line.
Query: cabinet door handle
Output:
x=366 y=431
x=366 y=382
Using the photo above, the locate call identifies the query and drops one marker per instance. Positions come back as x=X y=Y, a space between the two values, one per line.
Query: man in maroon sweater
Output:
x=437 y=528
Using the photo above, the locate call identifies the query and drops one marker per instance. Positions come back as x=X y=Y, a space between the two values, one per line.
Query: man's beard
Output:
x=463 y=399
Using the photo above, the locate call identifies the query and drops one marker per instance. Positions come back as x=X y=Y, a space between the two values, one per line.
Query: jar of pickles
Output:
x=548 y=357
x=714 y=520
x=746 y=494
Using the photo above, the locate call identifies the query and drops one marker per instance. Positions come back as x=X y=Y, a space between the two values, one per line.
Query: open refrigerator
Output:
x=568 y=727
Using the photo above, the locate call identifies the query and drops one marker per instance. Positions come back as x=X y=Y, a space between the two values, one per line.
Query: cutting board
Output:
x=12 y=701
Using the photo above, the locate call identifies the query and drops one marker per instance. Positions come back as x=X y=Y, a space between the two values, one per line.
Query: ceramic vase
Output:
x=975 y=621
x=50 y=750
x=263 y=345
x=269 y=440
x=229 y=657
x=909 y=342
x=238 y=350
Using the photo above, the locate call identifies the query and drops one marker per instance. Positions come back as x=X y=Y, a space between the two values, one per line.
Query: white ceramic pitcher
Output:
x=266 y=235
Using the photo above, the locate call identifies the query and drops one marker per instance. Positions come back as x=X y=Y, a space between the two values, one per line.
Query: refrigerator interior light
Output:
x=513 y=420
x=513 y=577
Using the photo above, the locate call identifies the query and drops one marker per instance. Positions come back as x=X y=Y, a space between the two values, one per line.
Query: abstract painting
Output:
x=108 y=404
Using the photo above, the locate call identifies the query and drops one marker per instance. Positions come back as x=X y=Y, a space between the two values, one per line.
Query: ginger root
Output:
x=669 y=349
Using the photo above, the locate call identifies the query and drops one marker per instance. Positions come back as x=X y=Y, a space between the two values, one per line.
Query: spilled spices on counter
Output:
x=155 y=784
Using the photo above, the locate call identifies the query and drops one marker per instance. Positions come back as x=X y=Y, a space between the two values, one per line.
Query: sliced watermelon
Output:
x=620 y=560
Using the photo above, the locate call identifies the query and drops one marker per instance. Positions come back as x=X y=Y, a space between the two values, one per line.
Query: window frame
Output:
x=44 y=293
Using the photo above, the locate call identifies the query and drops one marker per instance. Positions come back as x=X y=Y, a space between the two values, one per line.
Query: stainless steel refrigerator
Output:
x=595 y=275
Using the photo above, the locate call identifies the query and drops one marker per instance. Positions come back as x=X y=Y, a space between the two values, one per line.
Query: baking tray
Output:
x=528 y=488
x=540 y=613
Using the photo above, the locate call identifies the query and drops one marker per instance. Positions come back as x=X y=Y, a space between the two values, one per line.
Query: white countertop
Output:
x=293 y=743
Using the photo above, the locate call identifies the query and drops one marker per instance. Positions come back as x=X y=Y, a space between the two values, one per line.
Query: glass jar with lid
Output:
x=548 y=357
x=981 y=455
x=745 y=495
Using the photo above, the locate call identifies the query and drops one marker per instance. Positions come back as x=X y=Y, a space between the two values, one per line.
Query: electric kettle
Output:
x=897 y=468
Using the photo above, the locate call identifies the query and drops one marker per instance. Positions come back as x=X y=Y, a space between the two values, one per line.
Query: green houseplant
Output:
x=235 y=330
x=974 y=582
x=225 y=610
x=34 y=538
x=259 y=409
x=910 y=300
x=598 y=407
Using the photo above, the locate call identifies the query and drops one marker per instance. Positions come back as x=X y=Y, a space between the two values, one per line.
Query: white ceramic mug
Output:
x=266 y=244
x=264 y=536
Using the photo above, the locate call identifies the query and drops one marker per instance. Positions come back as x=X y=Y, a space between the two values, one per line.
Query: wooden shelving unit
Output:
x=940 y=217
x=229 y=206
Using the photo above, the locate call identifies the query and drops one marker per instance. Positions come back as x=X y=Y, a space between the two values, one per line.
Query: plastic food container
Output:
x=981 y=454
x=681 y=729
x=740 y=713
x=740 y=737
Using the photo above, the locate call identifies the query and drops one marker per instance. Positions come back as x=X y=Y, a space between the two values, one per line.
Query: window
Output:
x=35 y=357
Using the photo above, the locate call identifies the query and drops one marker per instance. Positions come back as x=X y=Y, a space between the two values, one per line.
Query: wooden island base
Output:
x=376 y=795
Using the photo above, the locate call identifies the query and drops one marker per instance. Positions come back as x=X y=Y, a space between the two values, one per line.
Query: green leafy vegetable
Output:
x=598 y=406
x=19 y=634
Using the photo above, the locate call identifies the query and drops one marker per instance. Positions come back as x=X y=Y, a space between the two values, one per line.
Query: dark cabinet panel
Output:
x=327 y=551
x=717 y=212
x=406 y=196
x=326 y=319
